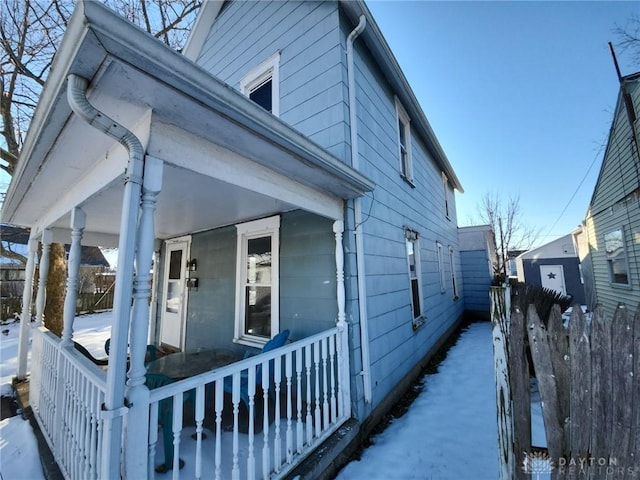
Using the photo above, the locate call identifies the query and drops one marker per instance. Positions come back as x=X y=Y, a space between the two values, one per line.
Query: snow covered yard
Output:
x=18 y=449
x=450 y=431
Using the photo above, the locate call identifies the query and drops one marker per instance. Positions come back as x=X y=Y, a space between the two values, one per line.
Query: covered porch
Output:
x=133 y=146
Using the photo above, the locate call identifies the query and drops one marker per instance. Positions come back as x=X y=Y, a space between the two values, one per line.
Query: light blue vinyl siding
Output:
x=394 y=346
x=307 y=35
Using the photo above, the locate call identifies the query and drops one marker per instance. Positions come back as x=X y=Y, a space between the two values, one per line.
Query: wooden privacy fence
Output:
x=588 y=375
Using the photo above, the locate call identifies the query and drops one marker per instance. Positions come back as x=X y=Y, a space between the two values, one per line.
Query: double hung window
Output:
x=413 y=259
x=257 y=288
x=615 y=249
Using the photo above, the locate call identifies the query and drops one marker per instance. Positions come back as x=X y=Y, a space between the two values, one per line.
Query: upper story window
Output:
x=404 y=143
x=614 y=246
x=262 y=84
x=257 y=287
x=445 y=186
x=413 y=259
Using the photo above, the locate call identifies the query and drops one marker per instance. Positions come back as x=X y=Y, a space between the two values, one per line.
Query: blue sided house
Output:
x=287 y=235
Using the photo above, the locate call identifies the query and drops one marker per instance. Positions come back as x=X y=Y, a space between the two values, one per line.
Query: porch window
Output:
x=614 y=246
x=262 y=84
x=404 y=143
x=257 y=292
x=413 y=259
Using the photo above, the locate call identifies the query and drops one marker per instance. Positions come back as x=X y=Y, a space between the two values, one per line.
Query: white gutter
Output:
x=114 y=405
x=357 y=209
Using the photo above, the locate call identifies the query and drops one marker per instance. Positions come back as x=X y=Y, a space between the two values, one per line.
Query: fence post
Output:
x=500 y=303
x=540 y=352
x=520 y=392
x=622 y=374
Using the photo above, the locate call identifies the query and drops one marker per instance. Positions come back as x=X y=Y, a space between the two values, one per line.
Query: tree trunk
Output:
x=56 y=287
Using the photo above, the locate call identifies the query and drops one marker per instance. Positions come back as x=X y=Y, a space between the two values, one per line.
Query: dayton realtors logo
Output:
x=537 y=463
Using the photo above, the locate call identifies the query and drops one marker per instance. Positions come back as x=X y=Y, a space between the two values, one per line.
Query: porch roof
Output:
x=226 y=159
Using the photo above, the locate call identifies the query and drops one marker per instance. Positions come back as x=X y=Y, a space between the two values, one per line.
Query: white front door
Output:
x=552 y=277
x=174 y=297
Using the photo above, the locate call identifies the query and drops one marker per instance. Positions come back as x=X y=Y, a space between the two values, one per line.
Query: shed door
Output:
x=552 y=277
x=174 y=298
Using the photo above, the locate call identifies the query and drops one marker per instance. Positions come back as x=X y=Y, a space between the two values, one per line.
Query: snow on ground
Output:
x=449 y=432
x=19 y=458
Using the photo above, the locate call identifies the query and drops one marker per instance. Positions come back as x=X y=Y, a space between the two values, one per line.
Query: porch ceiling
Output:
x=226 y=159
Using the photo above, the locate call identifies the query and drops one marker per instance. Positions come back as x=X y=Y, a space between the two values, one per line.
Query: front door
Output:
x=552 y=277
x=174 y=298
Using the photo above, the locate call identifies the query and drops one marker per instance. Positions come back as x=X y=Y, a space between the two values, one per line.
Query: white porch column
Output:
x=78 y=221
x=25 y=315
x=344 y=401
x=44 y=273
x=138 y=395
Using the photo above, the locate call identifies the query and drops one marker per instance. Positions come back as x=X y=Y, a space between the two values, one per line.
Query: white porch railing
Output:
x=301 y=402
x=66 y=394
x=301 y=407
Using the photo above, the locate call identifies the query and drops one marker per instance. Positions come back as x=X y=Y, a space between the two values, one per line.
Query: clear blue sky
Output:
x=520 y=95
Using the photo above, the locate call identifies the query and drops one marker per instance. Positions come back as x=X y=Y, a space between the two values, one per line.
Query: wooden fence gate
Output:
x=588 y=375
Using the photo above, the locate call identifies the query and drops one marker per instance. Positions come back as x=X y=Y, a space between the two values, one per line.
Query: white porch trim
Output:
x=44 y=273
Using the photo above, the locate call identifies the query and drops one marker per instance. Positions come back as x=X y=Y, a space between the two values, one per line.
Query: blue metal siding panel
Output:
x=476 y=279
x=571 y=270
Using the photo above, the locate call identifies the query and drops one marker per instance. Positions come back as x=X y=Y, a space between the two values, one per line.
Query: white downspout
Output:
x=114 y=405
x=357 y=209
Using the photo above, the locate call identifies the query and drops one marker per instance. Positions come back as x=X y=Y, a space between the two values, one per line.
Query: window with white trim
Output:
x=453 y=273
x=443 y=280
x=445 y=186
x=404 y=142
x=616 y=251
x=262 y=84
x=257 y=288
x=413 y=260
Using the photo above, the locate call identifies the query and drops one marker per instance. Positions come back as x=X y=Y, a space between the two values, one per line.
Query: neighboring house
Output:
x=608 y=237
x=15 y=239
x=555 y=266
x=479 y=261
x=284 y=178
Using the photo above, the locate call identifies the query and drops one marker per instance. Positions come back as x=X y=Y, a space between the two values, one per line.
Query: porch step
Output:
x=332 y=455
x=49 y=466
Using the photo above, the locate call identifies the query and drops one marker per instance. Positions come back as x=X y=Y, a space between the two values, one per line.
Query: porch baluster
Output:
x=137 y=392
x=299 y=423
x=177 y=430
x=316 y=365
x=288 y=373
x=277 y=440
x=153 y=439
x=78 y=220
x=266 y=464
x=251 y=390
x=332 y=366
x=219 y=404
x=307 y=363
x=200 y=400
x=235 y=400
x=325 y=386
x=42 y=280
